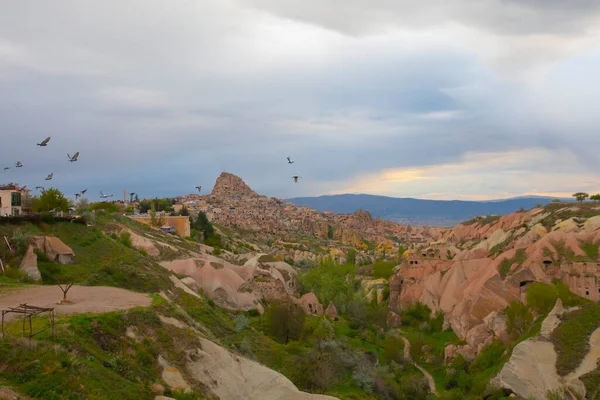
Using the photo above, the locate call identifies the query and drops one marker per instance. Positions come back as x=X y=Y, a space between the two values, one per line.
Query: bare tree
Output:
x=65 y=287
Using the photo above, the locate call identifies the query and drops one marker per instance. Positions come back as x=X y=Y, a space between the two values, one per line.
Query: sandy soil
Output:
x=8 y=394
x=84 y=299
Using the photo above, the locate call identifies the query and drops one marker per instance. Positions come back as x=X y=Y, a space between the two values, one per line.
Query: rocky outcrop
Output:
x=375 y=289
x=310 y=304
x=331 y=311
x=237 y=287
x=228 y=185
x=230 y=376
x=531 y=370
x=29 y=265
x=55 y=249
x=173 y=377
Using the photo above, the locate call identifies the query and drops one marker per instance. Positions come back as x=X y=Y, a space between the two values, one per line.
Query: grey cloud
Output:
x=358 y=17
x=159 y=99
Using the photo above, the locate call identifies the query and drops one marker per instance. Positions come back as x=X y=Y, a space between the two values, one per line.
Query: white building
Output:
x=10 y=200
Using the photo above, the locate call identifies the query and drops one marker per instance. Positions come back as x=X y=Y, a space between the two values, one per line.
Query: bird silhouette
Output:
x=39 y=187
x=199 y=188
x=74 y=158
x=5 y=168
x=45 y=142
x=83 y=192
x=290 y=161
x=77 y=196
x=49 y=177
x=18 y=164
x=295 y=178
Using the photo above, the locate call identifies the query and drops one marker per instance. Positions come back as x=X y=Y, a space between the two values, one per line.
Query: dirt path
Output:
x=85 y=299
x=423 y=370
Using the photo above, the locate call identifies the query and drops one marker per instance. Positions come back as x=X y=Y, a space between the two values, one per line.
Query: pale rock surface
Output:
x=173 y=377
x=552 y=321
x=142 y=243
x=230 y=376
x=531 y=370
x=54 y=248
x=29 y=265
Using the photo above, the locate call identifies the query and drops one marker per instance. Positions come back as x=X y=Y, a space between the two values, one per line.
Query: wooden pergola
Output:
x=28 y=312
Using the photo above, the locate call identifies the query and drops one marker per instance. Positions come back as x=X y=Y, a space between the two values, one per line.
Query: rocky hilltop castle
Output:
x=234 y=204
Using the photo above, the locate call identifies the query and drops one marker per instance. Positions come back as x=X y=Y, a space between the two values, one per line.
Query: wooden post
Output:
x=8 y=244
x=3 y=312
x=30 y=329
x=2 y=265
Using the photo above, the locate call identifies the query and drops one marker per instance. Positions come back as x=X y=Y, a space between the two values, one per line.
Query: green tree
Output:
x=581 y=196
x=285 y=321
x=541 y=297
x=595 y=197
x=51 y=200
x=156 y=221
x=203 y=225
x=331 y=281
x=184 y=212
x=351 y=257
x=518 y=318
x=415 y=313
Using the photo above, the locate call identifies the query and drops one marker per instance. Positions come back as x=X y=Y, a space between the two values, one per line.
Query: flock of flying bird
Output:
x=72 y=159
x=75 y=157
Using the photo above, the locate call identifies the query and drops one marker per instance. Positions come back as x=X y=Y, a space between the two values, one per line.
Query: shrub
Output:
x=436 y=324
x=393 y=349
x=383 y=269
x=518 y=318
x=415 y=313
x=241 y=323
x=125 y=239
x=541 y=297
x=285 y=321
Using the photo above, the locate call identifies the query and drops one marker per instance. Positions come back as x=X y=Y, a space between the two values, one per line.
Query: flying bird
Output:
x=5 y=168
x=49 y=177
x=24 y=188
x=131 y=197
x=18 y=164
x=45 y=142
x=199 y=188
x=290 y=161
x=104 y=196
x=295 y=178
x=83 y=192
x=77 y=196
x=39 y=187
x=74 y=158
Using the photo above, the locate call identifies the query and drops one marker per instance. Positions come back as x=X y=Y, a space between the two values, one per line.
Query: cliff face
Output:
x=476 y=269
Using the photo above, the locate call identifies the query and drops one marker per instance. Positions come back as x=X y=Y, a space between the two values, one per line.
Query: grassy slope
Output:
x=92 y=358
x=99 y=259
x=571 y=338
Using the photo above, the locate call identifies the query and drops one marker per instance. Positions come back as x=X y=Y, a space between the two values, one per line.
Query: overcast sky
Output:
x=432 y=99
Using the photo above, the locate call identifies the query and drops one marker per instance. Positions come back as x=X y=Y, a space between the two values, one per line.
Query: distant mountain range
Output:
x=442 y=213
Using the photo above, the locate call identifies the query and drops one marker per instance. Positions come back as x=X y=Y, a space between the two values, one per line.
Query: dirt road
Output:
x=423 y=370
x=84 y=299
